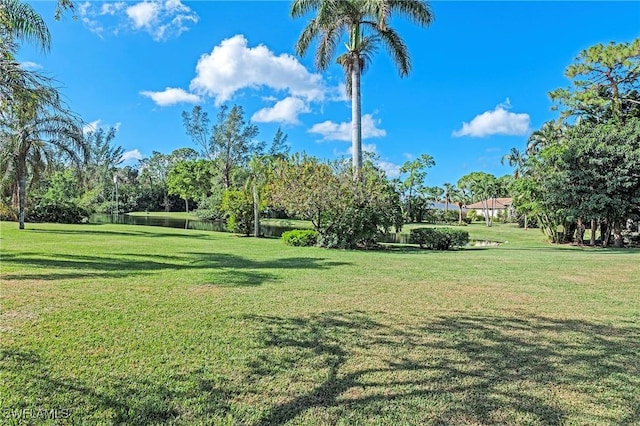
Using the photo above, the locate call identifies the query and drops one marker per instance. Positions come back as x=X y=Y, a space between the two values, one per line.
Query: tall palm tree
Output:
x=18 y=20
x=32 y=136
x=364 y=24
x=517 y=159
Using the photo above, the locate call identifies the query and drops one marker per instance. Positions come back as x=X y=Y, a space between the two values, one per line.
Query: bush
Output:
x=300 y=237
x=439 y=239
x=473 y=216
x=238 y=206
x=7 y=213
x=58 y=213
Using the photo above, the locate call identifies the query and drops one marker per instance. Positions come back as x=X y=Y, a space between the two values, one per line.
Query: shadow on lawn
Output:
x=349 y=368
x=224 y=269
x=121 y=400
x=91 y=230
x=453 y=370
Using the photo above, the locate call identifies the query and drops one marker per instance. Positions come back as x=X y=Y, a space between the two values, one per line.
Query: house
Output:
x=496 y=206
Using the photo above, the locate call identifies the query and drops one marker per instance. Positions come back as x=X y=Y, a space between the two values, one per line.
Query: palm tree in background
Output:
x=517 y=159
x=32 y=136
x=364 y=23
x=547 y=134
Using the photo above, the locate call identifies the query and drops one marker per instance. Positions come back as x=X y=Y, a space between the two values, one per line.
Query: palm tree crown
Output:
x=365 y=25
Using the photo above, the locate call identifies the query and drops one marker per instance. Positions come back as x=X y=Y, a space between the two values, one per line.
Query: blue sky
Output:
x=478 y=87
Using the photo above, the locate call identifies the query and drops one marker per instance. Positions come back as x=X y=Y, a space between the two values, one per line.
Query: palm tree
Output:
x=461 y=198
x=549 y=132
x=448 y=189
x=32 y=136
x=516 y=159
x=364 y=23
x=20 y=21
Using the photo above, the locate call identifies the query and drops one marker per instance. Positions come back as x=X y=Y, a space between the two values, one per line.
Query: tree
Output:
x=448 y=189
x=597 y=175
x=605 y=81
x=416 y=173
x=18 y=20
x=233 y=141
x=482 y=187
x=190 y=180
x=258 y=176
x=197 y=124
x=365 y=25
x=346 y=213
x=31 y=134
x=516 y=159
x=461 y=198
x=279 y=147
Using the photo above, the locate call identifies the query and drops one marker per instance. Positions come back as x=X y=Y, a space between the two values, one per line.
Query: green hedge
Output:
x=439 y=238
x=300 y=237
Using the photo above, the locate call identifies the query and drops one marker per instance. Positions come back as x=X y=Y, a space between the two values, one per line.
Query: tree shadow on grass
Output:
x=224 y=269
x=109 y=232
x=111 y=399
x=451 y=370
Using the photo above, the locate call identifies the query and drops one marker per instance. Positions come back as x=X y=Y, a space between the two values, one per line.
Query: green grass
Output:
x=144 y=325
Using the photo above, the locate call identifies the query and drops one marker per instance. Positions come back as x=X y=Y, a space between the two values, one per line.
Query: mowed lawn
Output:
x=138 y=325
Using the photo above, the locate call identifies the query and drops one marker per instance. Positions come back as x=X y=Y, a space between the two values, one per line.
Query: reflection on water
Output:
x=217 y=226
x=197 y=224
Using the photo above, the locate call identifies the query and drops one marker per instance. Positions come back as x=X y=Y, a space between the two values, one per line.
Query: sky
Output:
x=479 y=82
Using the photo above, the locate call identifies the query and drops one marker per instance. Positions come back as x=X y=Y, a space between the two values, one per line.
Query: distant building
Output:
x=497 y=206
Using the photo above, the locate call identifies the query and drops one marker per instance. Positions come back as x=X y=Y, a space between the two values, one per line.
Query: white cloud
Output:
x=30 y=66
x=112 y=8
x=144 y=14
x=342 y=131
x=171 y=96
x=497 y=122
x=232 y=66
x=285 y=111
x=391 y=169
x=161 y=19
x=131 y=155
x=91 y=127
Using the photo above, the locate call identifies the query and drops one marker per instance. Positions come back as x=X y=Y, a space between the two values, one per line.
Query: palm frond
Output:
x=397 y=48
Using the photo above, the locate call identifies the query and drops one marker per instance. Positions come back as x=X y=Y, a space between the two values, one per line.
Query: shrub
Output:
x=238 y=206
x=58 y=213
x=7 y=213
x=300 y=237
x=439 y=239
x=473 y=216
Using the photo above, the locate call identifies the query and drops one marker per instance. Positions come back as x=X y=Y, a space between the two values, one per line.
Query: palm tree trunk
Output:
x=356 y=117
x=256 y=211
x=22 y=193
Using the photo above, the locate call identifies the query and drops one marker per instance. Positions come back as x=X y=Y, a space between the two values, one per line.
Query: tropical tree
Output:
x=416 y=173
x=448 y=190
x=516 y=159
x=460 y=197
x=365 y=26
x=549 y=133
x=32 y=134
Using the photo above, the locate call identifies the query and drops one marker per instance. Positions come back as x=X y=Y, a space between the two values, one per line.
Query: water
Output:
x=196 y=224
x=217 y=226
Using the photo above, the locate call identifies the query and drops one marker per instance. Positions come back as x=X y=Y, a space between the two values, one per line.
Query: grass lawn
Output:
x=142 y=325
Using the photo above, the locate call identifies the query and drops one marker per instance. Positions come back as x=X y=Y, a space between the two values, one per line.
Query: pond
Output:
x=196 y=224
x=209 y=225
